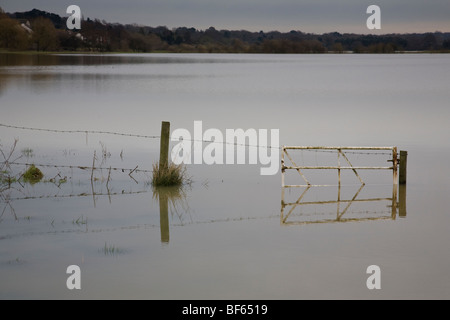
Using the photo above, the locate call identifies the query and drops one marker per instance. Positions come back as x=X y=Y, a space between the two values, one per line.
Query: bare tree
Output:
x=44 y=35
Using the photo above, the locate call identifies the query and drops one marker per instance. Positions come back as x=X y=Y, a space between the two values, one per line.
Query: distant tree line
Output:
x=43 y=31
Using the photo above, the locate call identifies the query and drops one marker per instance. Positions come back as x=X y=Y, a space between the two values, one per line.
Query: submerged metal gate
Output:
x=340 y=155
x=398 y=168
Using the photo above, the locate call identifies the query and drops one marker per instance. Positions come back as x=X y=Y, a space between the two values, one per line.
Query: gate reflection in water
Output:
x=305 y=211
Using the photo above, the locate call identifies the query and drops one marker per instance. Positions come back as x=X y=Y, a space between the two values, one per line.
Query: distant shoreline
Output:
x=34 y=52
x=38 y=31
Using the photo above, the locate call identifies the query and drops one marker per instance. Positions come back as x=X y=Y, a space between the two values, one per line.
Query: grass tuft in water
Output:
x=33 y=175
x=172 y=175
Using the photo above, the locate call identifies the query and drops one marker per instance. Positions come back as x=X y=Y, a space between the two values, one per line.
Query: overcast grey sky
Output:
x=315 y=16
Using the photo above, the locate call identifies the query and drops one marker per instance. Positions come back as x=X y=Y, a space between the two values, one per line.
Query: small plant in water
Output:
x=16 y=261
x=105 y=153
x=5 y=169
x=33 y=175
x=81 y=220
x=27 y=153
x=111 y=250
x=6 y=178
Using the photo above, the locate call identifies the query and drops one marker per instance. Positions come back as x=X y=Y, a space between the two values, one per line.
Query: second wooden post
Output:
x=402 y=168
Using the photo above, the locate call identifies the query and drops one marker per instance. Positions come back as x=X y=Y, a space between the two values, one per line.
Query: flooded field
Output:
x=230 y=233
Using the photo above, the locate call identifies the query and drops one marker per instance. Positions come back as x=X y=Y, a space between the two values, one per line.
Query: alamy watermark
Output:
x=74 y=280
x=214 y=147
x=374 y=280
x=74 y=20
x=374 y=21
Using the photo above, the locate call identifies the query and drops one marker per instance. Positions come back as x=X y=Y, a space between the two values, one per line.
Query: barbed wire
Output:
x=81 y=131
x=229 y=143
x=73 y=195
x=81 y=167
x=132 y=135
x=191 y=140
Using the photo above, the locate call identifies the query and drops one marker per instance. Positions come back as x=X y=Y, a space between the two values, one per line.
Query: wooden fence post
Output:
x=402 y=168
x=163 y=197
x=164 y=148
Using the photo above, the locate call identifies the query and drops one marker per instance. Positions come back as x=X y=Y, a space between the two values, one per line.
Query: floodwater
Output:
x=231 y=233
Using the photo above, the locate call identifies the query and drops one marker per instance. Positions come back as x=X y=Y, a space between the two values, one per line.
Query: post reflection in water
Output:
x=402 y=200
x=164 y=217
x=366 y=211
x=170 y=198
